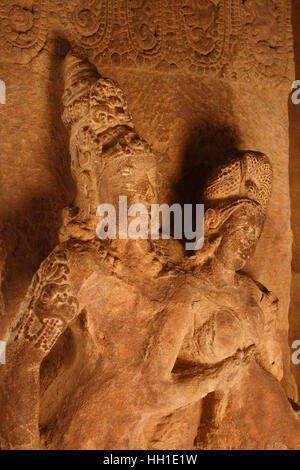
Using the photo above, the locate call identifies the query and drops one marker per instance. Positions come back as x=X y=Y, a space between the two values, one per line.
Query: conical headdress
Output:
x=248 y=178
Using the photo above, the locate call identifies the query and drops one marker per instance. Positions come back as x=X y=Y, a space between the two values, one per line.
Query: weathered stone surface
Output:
x=134 y=344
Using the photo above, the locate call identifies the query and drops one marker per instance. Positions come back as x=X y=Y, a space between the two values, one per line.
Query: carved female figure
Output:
x=231 y=311
x=236 y=200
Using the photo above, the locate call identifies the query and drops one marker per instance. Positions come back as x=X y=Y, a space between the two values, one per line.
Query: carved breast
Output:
x=222 y=324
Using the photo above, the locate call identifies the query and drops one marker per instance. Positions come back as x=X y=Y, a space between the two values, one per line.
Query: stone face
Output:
x=138 y=344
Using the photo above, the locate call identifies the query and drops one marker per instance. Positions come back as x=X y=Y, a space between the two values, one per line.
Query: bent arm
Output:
x=166 y=335
x=45 y=313
x=183 y=390
x=269 y=354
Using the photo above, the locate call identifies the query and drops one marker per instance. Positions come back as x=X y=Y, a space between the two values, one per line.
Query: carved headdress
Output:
x=245 y=180
x=78 y=75
x=88 y=95
x=108 y=158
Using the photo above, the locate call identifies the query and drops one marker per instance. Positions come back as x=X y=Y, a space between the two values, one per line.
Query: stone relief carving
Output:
x=49 y=294
x=110 y=147
x=236 y=198
x=201 y=36
x=232 y=39
x=230 y=311
x=164 y=331
x=23 y=29
x=265 y=27
x=89 y=22
x=145 y=23
x=206 y=31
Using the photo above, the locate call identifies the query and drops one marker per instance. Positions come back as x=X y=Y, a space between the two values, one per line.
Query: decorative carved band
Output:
x=229 y=38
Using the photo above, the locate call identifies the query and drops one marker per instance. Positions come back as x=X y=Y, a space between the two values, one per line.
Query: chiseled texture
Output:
x=133 y=344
